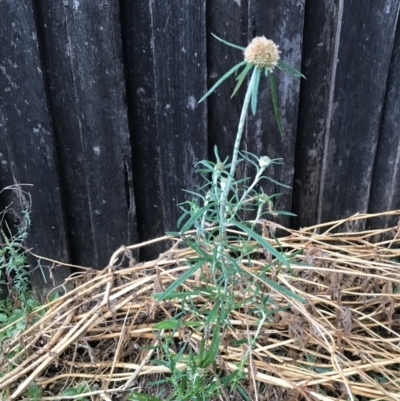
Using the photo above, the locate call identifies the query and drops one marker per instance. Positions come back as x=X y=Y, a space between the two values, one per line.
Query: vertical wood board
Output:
x=166 y=73
x=385 y=188
x=136 y=20
x=27 y=153
x=180 y=78
x=83 y=57
x=318 y=51
x=362 y=65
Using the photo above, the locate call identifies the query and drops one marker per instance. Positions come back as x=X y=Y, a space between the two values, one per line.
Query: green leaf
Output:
x=288 y=69
x=231 y=378
x=134 y=396
x=3 y=317
x=178 y=282
x=241 y=78
x=173 y=324
x=166 y=324
x=254 y=90
x=34 y=392
x=275 y=102
x=172 y=233
x=236 y=343
x=279 y=288
x=193 y=218
x=200 y=251
x=263 y=242
x=70 y=391
x=276 y=182
x=228 y=43
x=162 y=363
x=283 y=213
x=207 y=164
x=243 y=393
x=213 y=314
x=222 y=79
x=212 y=352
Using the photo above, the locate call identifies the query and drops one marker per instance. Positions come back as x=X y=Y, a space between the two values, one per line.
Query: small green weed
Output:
x=80 y=389
x=14 y=275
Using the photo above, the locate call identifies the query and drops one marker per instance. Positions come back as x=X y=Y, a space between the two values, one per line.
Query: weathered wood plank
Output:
x=282 y=21
x=166 y=70
x=318 y=47
x=27 y=151
x=136 y=22
x=385 y=187
x=361 y=55
x=83 y=57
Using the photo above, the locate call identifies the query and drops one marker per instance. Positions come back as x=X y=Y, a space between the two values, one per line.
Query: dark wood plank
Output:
x=166 y=74
x=282 y=21
x=136 y=23
x=320 y=20
x=385 y=187
x=27 y=154
x=361 y=56
x=366 y=43
x=83 y=56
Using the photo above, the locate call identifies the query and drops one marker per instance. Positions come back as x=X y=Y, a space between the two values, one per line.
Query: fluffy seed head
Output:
x=262 y=52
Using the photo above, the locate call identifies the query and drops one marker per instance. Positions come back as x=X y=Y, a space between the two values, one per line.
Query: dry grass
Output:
x=343 y=341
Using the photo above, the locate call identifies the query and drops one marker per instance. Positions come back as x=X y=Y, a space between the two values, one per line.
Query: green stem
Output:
x=235 y=155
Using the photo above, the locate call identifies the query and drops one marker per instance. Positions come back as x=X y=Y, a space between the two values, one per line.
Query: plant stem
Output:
x=243 y=115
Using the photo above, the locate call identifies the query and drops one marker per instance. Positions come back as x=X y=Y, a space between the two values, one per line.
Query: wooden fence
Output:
x=98 y=110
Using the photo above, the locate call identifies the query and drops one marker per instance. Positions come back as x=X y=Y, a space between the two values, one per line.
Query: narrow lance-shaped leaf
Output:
x=241 y=78
x=275 y=102
x=213 y=314
x=277 y=182
x=283 y=290
x=178 y=282
x=254 y=90
x=194 y=217
x=212 y=352
x=222 y=79
x=262 y=241
x=228 y=43
x=289 y=69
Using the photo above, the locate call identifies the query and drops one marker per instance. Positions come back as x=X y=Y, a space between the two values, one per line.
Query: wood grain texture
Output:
x=282 y=21
x=27 y=153
x=83 y=56
x=166 y=72
x=385 y=187
x=136 y=20
x=352 y=116
x=318 y=49
x=362 y=66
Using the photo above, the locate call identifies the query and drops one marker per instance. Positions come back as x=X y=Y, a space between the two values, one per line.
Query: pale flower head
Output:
x=262 y=52
x=264 y=161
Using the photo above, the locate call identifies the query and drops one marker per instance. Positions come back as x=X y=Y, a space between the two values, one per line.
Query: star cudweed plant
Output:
x=224 y=243
x=220 y=203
